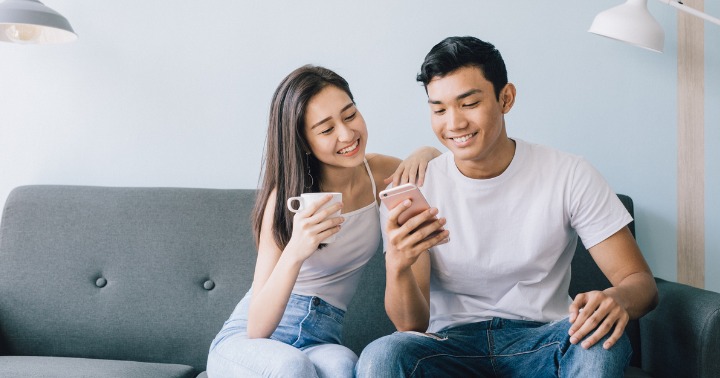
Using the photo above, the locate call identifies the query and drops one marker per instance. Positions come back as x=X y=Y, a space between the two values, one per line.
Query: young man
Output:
x=493 y=301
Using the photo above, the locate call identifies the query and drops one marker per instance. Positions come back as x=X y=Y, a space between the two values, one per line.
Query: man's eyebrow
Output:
x=459 y=97
x=346 y=107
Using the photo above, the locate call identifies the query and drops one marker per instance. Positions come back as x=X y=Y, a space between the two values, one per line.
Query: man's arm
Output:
x=633 y=294
x=407 y=295
x=407 y=264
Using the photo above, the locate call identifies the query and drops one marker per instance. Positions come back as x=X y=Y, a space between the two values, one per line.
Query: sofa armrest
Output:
x=681 y=337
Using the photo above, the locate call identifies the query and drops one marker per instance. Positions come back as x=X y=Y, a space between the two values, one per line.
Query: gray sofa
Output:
x=135 y=282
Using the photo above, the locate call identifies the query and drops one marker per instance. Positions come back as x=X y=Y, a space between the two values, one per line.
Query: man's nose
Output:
x=456 y=120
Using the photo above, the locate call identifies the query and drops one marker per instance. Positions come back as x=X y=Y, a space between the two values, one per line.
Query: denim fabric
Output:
x=305 y=344
x=495 y=348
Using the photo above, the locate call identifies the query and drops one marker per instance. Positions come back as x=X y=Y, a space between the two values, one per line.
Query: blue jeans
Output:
x=495 y=348
x=306 y=343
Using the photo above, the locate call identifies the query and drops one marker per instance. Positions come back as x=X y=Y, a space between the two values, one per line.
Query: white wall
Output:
x=176 y=93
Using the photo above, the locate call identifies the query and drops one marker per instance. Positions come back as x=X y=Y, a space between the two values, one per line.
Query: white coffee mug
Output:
x=307 y=199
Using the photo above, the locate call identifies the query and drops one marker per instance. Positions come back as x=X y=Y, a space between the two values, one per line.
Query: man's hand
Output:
x=594 y=314
x=408 y=241
x=407 y=290
x=598 y=313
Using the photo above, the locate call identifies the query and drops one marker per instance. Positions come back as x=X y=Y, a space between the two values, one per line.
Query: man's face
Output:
x=468 y=119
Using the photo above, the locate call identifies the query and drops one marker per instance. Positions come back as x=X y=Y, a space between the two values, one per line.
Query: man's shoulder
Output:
x=544 y=156
x=439 y=175
x=543 y=149
x=440 y=163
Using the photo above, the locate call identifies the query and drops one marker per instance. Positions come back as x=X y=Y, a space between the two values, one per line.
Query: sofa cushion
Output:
x=636 y=372
x=61 y=367
x=366 y=319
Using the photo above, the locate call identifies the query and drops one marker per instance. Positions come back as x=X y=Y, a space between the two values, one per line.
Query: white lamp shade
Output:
x=29 y=21
x=632 y=23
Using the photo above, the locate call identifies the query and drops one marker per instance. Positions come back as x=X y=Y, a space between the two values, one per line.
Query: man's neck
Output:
x=491 y=166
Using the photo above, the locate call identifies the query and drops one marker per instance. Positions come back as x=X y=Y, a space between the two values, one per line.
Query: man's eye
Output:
x=439 y=111
x=351 y=117
x=327 y=131
x=471 y=105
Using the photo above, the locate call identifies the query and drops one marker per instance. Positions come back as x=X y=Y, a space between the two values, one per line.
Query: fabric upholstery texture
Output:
x=136 y=282
x=58 y=367
x=156 y=250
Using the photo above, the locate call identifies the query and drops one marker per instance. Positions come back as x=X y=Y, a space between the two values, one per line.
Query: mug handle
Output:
x=300 y=202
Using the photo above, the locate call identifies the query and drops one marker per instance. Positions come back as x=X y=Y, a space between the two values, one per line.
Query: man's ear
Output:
x=507 y=97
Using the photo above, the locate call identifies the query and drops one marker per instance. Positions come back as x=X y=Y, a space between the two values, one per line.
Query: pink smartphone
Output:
x=394 y=196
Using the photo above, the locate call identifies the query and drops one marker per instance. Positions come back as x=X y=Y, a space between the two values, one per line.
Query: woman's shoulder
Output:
x=382 y=165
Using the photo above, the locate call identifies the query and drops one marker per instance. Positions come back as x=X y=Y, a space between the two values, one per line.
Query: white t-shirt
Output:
x=512 y=237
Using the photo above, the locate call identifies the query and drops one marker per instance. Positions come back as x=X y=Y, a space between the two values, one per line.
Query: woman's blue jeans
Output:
x=306 y=343
x=495 y=348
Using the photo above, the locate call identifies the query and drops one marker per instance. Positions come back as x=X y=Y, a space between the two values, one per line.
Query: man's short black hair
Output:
x=457 y=52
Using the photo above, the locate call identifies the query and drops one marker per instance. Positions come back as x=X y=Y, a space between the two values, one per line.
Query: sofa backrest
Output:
x=143 y=274
x=149 y=274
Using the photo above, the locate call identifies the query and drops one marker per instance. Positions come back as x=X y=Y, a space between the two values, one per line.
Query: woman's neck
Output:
x=353 y=183
x=341 y=179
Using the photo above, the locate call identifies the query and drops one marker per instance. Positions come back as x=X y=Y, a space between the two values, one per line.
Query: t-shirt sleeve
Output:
x=596 y=212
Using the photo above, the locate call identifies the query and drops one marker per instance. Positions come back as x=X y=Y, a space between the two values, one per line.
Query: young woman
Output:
x=290 y=322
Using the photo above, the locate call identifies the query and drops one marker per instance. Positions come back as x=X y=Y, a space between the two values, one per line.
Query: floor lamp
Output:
x=631 y=22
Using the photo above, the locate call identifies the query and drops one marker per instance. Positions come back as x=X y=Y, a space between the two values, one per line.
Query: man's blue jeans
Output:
x=495 y=348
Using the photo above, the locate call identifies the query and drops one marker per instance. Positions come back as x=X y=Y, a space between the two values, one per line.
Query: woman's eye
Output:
x=327 y=131
x=351 y=117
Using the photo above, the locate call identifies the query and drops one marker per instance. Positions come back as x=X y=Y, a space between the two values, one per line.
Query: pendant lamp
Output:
x=31 y=22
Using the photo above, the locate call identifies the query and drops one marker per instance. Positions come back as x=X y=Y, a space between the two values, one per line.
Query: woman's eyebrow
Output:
x=346 y=107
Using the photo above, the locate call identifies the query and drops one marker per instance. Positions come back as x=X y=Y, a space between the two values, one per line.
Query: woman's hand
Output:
x=311 y=226
x=413 y=168
x=596 y=312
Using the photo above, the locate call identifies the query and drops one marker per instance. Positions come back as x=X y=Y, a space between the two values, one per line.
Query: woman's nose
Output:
x=345 y=133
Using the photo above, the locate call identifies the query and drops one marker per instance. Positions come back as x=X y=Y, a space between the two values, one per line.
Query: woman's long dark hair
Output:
x=288 y=162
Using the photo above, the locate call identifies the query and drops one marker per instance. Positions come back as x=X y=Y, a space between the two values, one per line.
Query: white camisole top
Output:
x=333 y=272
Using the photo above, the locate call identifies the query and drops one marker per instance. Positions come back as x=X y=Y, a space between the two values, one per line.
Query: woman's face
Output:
x=335 y=129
